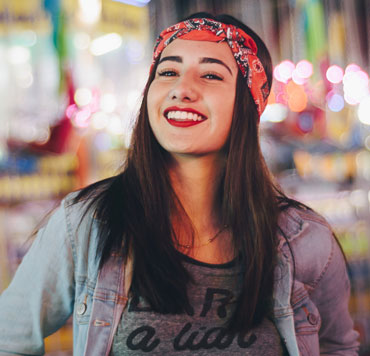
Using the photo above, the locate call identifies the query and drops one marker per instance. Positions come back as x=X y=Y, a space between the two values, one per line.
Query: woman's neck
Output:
x=195 y=182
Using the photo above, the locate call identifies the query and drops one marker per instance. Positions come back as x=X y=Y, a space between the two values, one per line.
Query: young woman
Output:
x=192 y=249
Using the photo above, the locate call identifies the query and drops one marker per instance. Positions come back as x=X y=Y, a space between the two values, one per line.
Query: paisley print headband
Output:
x=241 y=44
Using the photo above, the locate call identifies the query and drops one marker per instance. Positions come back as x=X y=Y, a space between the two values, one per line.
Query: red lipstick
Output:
x=183 y=122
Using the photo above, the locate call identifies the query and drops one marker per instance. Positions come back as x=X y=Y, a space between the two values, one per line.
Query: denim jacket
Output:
x=59 y=276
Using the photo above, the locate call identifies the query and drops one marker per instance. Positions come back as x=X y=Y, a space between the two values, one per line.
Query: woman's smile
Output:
x=183 y=117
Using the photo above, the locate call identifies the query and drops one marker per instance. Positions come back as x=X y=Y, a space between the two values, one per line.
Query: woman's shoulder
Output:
x=309 y=238
x=295 y=220
x=77 y=210
x=80 y=205
x=85 y=199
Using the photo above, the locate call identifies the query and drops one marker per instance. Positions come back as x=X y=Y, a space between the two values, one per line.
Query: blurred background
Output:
x=71 y=77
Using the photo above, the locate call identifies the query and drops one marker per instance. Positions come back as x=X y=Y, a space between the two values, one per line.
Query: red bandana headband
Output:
x=242 y=46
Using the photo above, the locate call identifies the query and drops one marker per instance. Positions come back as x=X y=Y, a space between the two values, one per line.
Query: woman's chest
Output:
x=201 y=330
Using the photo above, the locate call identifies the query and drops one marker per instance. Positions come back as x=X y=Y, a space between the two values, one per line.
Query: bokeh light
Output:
x=304 y=69
x=90 y=10
x=305 y=122
x=277 y=75
x=297 y=98
x=83 y=96
x=349 y=99
x=286 y=69
x=274 y=113
x=352 y=68
x=71 y=110
x=297 y=78
x=355 y=86
x=335 y=102
x=81 y=119
x=363 y=110
x=139 y=3
x=334 y=74
x=105 y=44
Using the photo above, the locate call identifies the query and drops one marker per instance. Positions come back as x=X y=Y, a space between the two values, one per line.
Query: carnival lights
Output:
x=295 y=88
x=274 y=113
x=363 y=111
x=297 y=97
x=297 y=78
x=139 y=3
x=335 y=101
x=286 y=69
x=334 y=74
x=90 y=11
x=105 y=44
x=81 y=119
x=355 y=86
x=304 y=69
x=83 y=96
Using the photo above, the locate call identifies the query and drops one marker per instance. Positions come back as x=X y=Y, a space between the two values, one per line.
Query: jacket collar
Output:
x=290 y=226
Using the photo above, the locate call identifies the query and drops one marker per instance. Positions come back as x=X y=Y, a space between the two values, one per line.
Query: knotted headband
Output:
x=242 y=46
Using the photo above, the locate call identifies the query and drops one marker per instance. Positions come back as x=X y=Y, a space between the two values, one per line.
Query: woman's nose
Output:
x=184 y=90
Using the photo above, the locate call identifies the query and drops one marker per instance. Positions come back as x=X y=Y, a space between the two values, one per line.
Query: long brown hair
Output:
x=135 y=208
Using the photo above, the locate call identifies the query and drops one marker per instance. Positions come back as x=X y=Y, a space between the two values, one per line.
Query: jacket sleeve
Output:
x=331 y=296
x=40 y=297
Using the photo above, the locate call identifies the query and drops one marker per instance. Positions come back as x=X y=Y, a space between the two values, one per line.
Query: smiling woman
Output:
x=192 y=248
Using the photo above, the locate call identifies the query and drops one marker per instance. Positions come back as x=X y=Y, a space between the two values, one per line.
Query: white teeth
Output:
x=183 y=115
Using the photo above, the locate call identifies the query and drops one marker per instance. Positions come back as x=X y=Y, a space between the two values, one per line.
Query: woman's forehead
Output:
x=199 y=49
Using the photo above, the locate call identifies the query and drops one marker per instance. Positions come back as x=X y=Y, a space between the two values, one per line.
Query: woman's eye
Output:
x=167 y=73
x=212 y=76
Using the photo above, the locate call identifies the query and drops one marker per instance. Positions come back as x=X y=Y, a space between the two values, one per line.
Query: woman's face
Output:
x=191 y=99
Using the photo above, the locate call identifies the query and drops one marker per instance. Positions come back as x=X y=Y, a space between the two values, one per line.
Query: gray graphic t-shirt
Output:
x=199 y=332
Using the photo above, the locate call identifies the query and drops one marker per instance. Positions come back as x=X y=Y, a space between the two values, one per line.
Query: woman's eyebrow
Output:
x=214 y=60
x=171 y=58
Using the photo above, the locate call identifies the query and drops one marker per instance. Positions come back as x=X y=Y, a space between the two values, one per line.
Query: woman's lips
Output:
x=183 y=117
x=183 y=123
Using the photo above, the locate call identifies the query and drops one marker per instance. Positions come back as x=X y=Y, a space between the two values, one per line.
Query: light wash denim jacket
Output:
x=60 y=276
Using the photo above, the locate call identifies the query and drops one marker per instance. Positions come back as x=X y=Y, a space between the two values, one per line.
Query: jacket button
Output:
x=81 y=308
x=312 y=319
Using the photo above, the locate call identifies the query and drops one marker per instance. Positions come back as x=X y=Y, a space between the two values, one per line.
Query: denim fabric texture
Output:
x=59 y=276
